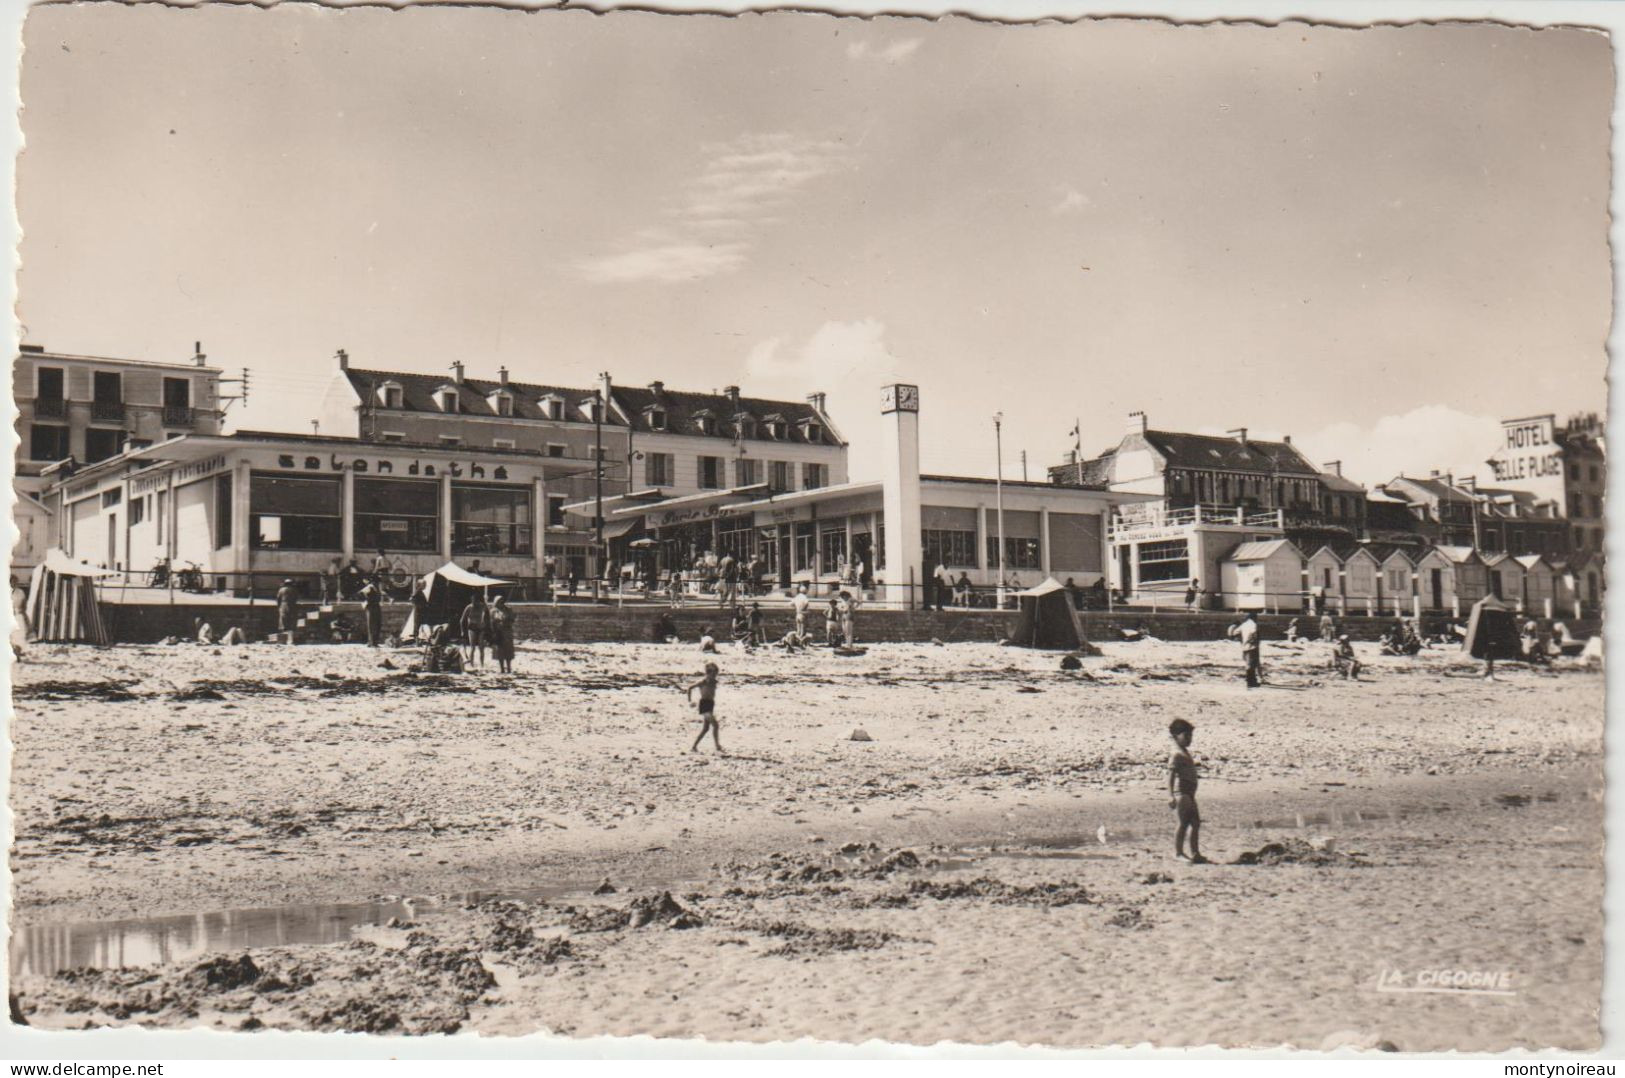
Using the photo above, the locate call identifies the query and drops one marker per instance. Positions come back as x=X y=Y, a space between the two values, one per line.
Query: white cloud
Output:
x=1434 y=436
x=710 y=226
x=674 y=262
x=1072 y=201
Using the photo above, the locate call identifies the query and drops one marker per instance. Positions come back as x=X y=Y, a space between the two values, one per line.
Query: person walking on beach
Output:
x=708 y=708
x=374 y=613
x=832 y=620
x=476 y=621
x=1182 y=792
x=1328 y=628
x=848 y=608
x=758 y=635
x=500 y=621
x=1247 y=633
x=1192 y=593
x=675 y=586
x=943 y=583
x=287 y=607
x=799 y=604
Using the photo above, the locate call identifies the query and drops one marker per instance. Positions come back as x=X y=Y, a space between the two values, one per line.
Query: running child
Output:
x=1182 y=791
x=708 y=708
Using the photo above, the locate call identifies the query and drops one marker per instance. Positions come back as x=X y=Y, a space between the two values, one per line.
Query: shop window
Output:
x=490 y=520
x=951 y=549
x=47 y=442
x=834 y=550
x=1019 y=552
x=804 y=546
x=295 y=512
x=736 y=537
x=397 y=514
x=1165 y=561
x=711 y=473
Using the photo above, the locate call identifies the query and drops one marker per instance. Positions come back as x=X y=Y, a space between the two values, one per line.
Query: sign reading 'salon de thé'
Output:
x=1529 y=457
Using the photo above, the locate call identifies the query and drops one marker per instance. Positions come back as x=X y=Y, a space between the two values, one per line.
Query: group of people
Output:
x=747 y=629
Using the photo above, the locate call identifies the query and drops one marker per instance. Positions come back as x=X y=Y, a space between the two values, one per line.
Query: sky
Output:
x=1378 y=241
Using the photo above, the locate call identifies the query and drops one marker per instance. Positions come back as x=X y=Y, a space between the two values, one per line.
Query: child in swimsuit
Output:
x=1182 y=791
x=708 y=708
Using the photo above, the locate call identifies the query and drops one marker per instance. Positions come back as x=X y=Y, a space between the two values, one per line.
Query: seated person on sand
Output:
x=793 y=641
x=440 y=655
x=1292 y=631
x=1343 y=659
x=234 y=636
x=708 y=643
x=203 y=631
x=343 y=630
x=741 y=627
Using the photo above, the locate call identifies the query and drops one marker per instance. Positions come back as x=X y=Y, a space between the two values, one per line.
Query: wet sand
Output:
x=1474 y=808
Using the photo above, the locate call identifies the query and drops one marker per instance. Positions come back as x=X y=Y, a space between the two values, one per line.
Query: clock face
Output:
x=900 y=398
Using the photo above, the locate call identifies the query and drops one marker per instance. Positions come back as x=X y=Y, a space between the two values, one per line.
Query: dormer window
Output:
x=704 y=422
x=552 y=407
x=502 y=401
x=390 y=395
x=448 y=399
x=657 y=418
x=776 y=429
x=589 y=408
x=811 y=431
x=745 y=426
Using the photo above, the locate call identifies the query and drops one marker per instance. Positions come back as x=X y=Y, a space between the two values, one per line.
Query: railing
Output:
x=1230 y=515
x=107 y=410
x=50 y=407
x=179 y=415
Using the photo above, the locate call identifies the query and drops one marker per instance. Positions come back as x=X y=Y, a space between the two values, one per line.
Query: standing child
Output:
x=1182 y=791
x=832 y=620
x=758 y=635
x=708 y=708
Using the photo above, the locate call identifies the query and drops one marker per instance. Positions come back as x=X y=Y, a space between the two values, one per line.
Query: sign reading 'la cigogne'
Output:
x=1529 y=457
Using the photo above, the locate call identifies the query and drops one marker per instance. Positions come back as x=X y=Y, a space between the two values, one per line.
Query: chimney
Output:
x=198 y=358
x=606 y=387
x=817 y=402
x=657 y=388
x=1136 y=423
x=502 y=375
x=1286 y=439
x=1335 y=467
x=1240 y=433
x=732 y=393
x=343 y=358
x=457 y=371
x=1433 y=473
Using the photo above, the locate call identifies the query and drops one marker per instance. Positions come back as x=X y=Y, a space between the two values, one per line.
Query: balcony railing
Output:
x=1149 y=520
x=50 y=407
x=107 y=410
x=179 y=415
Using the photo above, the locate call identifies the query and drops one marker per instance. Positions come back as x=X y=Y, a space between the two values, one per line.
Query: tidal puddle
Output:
x=151 y=941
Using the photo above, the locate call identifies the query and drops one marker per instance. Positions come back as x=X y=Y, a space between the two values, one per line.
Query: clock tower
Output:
x=900 y=494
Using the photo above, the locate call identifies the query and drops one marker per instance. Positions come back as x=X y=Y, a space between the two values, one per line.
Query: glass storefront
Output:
x=397 y=514
x=295 y=512
x=490 y=519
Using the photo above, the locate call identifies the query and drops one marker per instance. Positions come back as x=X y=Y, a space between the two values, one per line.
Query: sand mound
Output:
x=1296 y=851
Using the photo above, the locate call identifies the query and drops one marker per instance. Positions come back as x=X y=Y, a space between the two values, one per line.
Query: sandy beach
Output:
x=994 y=864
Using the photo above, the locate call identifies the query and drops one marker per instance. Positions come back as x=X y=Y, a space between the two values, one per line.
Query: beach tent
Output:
x=62 y=601
x=1047 y=619
x=1492 y=631
x=449 y=589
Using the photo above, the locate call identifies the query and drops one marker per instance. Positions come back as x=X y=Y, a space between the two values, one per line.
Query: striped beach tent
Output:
x=62 y=601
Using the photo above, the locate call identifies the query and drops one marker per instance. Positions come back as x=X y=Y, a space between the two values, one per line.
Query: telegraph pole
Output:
x=598 y=478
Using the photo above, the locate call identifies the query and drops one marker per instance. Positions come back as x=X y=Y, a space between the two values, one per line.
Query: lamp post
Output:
x=598 y=481
x=998 y=446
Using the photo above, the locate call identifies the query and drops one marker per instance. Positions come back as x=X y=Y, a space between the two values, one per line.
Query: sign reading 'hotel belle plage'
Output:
x=1529 y=457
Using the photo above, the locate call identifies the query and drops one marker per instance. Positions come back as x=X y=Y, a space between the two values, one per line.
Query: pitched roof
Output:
x=1333 y=481
x=1436 y=489
x=1529 y=561
x=418 y=390
x=1229 y=454
x=682 y=408
x=1259 y=550
x=1457 y=554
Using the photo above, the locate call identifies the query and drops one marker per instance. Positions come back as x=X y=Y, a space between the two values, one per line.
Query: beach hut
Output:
x=1539 y=585
x=1504 y=578
x=1470 y=576
x=1048 y=619
x=61 y=603
x=1263 y=575
x=1396 y=583
x=1492 y=631
x=1326 y=575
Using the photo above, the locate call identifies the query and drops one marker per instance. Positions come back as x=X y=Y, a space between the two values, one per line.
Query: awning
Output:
x=1050 y=584
x=458 y=575
x=691 y=507
x=614 y=529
